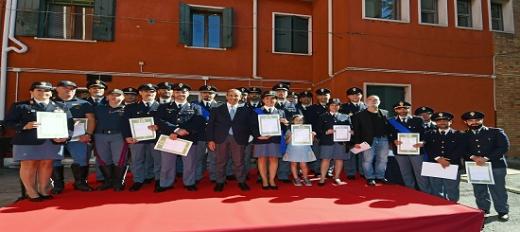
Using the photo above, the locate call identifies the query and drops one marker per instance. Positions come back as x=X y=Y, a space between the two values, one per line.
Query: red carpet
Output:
x=350 y=207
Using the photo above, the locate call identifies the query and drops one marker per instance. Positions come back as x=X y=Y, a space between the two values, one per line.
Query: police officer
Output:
x=110 y=145
x=165 y=92
x=140 y=149
x=487 y=144
x=292 y=97
x=78 y=146
x=130 y=95
x=426 y=114
x=245 y=94
x=351 y=108
x=180 y=119
x=207 y=93
x=444 y=146
x=304 y=103
x=410 y=166
x=97 y=89
x=289 y=108
x=314 y=112
x=254 y=100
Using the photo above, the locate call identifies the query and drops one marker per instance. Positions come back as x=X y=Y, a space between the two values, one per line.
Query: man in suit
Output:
x=228 y=133
x=487 y=144
x=371 y=126
x=180 y=119
x=141 y=149
x=426 y=114
x=351 y=108
x=410 y=166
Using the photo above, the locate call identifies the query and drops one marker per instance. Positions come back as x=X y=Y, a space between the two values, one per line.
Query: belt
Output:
x=109 y=132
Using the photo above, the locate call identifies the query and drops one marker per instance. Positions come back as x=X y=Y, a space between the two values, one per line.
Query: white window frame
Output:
x=407 y=89
x=507 y=16
x=442 y=11
x=476 y=15
x=273 y=32
x=405 y=13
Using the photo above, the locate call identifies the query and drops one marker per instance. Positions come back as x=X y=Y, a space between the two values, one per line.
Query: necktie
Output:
x=180 y=106
x=232 y=112
x=443 y=132
x=207 y=104
x=269 y=110
x=41 y=105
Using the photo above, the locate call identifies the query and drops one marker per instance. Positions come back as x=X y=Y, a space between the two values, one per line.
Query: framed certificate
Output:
x=178 y=146
x=408 y=140
x=480 y=174
x=269 y=125
x=52 y=125
x=139 y=128
x=80 y=128
x=301 y=135
x=341 y=133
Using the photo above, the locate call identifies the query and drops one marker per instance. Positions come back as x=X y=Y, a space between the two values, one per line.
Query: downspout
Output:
x=255 y=40
x=330 y=45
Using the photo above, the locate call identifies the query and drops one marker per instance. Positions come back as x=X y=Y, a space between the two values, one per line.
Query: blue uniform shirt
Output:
x=109 y=120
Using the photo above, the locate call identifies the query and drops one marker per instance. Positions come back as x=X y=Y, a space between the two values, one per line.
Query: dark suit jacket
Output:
x=189 y=117
x=326 y=122
x=364 y=129
x=449 y=146
x=491 y=143
x=23 y=112
x=206 y=112
x=220 y=122
x=414 y=124
x=138 y=110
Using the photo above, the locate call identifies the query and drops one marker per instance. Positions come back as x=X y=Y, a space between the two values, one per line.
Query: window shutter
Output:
x=104 y=12
x=185 y=24
x=283 y=34
x=27 y=17
x=300 y=38
x=227 y=29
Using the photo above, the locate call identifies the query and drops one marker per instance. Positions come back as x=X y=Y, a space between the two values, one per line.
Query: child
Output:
x=298 y=154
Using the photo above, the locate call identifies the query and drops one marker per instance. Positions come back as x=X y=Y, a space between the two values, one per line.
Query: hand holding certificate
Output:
x=80 y=128
x=140 y=128
x=408 y=144
x=301 y=135
x=480 y=174
x=436 y=170
x=52 y=125
x=341 y=133
x=177 y=146
x=269 y=125
x=362 y=147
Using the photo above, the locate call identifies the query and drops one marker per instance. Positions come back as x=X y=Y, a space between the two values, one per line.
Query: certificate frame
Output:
x=308 y=140
x=85 y=123
x=487 y=165
x=59 y=128
x=164 y=139
x=338 y=138
x=404 y=151
x=263 y=131
x=147 y=120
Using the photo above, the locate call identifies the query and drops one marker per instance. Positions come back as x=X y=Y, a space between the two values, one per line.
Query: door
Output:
x=389 y=95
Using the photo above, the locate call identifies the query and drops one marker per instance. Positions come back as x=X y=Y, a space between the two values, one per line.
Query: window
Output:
x=429 y=11
x=205 y=26
x=501 y=16
x=68 y=21
x=468 y=14
x=497 y=17
x=395 y=10
x=292 y=34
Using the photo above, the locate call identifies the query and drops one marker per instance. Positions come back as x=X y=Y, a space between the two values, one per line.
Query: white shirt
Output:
x=149 y=103
x=164 y=100
x=181 y=103
x=269 y=109
x=44 y=102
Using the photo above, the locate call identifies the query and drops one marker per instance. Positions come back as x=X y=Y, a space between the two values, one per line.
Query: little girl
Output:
x=298 y=154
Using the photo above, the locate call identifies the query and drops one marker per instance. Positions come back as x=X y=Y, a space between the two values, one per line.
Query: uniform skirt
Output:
x=337 y=152
x=45 y=151
x=267 y=150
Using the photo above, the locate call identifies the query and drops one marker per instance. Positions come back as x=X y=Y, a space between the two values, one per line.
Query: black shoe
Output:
x=371 y=182
x=285 y=180
x=351 y=177
x=58 y=180
x=243 y=186
x=503 y=217
x=191 y=188
x=219 y=187
x=106 y=170
x=118 y=177
x=230 y=177
x=265 y=187
x=148 y=181
x=382 y=181
x=37 y=199
x=80 y=178
x=136 y=187
x=321 y=183
x=273 y=187
x=45 y=197
x=162 y=189
x=157 y=185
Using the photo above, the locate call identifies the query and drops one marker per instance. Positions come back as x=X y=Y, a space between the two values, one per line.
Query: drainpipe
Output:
x=329 y=22
x=255 y=40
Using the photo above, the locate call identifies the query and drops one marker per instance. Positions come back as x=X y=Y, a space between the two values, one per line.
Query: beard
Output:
x=475 y=127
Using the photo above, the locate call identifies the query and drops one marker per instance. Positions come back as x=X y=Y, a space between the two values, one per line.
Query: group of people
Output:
x=226 y=136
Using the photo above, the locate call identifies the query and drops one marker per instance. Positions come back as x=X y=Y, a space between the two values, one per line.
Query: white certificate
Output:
x=341 y=133
x=363 y=147
x=436 y=170
x=301 y=135
x=140 y=130
x=269 y=125
x=80 y=128
x=480 y=174
x=408 y=140
x=52 y=125
x=178 y=146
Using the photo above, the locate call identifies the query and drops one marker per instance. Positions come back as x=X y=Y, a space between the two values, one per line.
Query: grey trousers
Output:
x=139 y=152
x=411 y=166
x=202 y=159
x=109 y=148
x=169 y=168
x=223 y=151
x=498 y=193
x=445 y=188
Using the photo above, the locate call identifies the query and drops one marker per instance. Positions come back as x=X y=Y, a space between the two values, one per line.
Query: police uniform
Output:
x=353 y=164
x=95 y=101
x=258 y=104
x=447 y=144
x=289 y=109
x=312 y=116
x=130 y=91
x=79 y=151
x=244 y=91
x=427 y=125
x=171 y=118
x=111 y=148
x=410 y=166
x=304 y=109
x=492 y=144
x=141 y=149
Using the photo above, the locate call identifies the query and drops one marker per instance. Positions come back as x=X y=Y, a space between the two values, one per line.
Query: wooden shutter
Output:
x=227 y=28
x=27 y=17
x=104 y=20
x=185 y=36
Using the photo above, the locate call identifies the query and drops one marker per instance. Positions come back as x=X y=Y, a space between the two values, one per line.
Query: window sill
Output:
x=469 y=28
x=67 y=40
x=386 y=20
x=503 y=32
x=433 y=24
x=290 y=53
x=206 y=48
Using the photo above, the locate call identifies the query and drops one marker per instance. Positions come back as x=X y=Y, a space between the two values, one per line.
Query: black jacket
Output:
x=491 y=143
x=220 y=122
x=364 y=129
x=326 y=122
